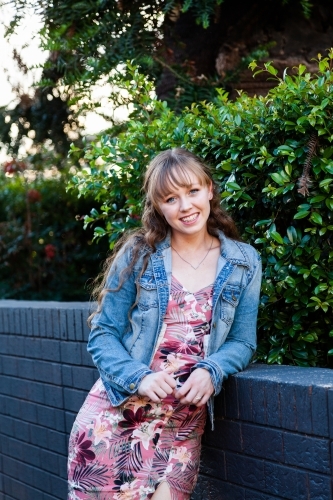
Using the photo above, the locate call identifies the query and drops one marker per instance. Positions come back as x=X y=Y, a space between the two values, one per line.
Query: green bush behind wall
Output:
x=273 y=159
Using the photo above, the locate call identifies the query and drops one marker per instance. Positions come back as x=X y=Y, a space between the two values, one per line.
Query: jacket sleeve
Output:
x=117 y=368
x=236 y=352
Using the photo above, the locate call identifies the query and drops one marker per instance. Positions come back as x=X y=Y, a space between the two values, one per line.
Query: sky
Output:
x=27 y=43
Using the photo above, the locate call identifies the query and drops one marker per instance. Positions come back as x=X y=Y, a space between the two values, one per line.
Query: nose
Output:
x=185 y=203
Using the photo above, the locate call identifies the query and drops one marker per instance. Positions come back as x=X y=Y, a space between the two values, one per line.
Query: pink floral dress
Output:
x=124 y=453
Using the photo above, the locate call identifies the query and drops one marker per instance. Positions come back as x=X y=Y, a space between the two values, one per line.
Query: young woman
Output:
x=177 y=315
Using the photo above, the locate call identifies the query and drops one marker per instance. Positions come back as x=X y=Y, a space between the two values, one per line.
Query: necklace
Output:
x=189 y=263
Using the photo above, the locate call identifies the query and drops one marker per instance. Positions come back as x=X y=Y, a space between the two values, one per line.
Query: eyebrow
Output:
x=169 y=193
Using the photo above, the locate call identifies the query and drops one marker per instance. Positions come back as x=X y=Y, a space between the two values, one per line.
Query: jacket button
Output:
x=214 y=325
x=234 y=298
x=132 y=386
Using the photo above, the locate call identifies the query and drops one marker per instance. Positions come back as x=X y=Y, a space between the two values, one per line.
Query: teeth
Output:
x=190 y=218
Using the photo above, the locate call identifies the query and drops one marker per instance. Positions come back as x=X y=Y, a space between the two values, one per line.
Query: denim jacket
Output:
x=123 y=348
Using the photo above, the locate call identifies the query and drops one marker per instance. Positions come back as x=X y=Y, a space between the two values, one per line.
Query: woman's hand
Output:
x=197 y=389
x=157 y=386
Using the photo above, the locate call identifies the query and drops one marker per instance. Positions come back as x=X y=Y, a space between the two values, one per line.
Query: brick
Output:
x=35 y=322
x=57 y=441
x=320 y=487
x=50 y=417
x=231 y=401
x=7 y=424
x=53 y=396
x=23 y=452
x=212 y=463
x=12 y=407
x=226 y=436
x=21 y=430
x=71 y=353
x=320 y=411
x=5 y=321
x=244 y=389
x=28 y=412
x=246 y=471
x=50 y=461
x=78 y=325
x=272 y=400
x=83 y=378
x=27 y=368
x=9 y=365
x=69 y=418
x=307 y=452
x=262 y=442
x=55 y=324
x=73 y=399
x=258 y=401
x=66 y=373
x=48 y=372
x=213 y=489
x=58 y=486
x=23 y=321
x=256 y=495
x=48 y=323
x=17 y=321
x=85 y=356
x=2 y=326
x=63 y=467
x=39 y=436
x=50 y=350
x=32 y=348
x=70 y=324
x=29 y=322
x=303 y=408
x=86 y=329
x=16 y=345
x=288 y=407
x=41 y=480
x=21 y=491
x=63 y=324
x=330 y=413
x=11 y=321
x=285 y=482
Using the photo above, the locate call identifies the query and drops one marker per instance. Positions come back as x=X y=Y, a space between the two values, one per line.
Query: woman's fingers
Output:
x=157 y=386
x=197 y=389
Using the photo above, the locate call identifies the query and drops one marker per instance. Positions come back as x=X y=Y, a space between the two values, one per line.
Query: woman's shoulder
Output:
x=239 y=250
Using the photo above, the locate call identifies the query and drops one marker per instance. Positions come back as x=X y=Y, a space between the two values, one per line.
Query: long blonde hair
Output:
x=168 y=168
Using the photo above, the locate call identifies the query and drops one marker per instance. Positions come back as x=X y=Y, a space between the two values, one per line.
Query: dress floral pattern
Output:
x=123 y=453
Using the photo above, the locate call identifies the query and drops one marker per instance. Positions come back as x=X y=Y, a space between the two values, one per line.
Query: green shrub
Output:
x=44 y=252
x=273 y=158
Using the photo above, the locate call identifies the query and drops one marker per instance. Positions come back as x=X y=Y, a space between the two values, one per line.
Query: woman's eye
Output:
x=170 y=200
x=193 y=191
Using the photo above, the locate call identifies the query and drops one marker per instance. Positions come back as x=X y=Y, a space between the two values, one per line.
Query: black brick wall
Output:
x=274 y=424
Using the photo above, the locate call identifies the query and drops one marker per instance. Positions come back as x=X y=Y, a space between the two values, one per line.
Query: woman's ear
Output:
x=210 y=192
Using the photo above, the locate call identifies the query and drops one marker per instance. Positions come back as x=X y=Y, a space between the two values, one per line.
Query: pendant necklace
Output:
x=189 y=263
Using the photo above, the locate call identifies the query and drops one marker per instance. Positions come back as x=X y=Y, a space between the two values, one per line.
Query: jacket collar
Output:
x=231 y=250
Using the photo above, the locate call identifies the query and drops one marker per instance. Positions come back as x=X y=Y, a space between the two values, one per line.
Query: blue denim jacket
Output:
x=122 y=349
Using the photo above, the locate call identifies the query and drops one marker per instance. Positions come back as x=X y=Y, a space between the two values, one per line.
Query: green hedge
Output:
x=44 y=252
x=273 y=158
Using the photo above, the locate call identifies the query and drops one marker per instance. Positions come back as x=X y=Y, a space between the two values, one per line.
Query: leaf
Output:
x=292 y=235
x=276 y=236
x=301 y=215
x=316 y=218
x=233 y=185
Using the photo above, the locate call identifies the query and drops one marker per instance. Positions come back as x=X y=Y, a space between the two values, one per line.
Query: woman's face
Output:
x=186 y=209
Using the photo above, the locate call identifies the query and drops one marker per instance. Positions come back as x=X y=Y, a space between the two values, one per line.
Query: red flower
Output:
x=34 y=195
x=50 y=251
x=12 y=166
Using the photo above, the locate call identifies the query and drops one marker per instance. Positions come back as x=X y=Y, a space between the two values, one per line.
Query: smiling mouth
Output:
x=189 y=218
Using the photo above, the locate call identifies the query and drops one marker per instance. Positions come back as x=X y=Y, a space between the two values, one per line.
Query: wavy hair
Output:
x=169 y=169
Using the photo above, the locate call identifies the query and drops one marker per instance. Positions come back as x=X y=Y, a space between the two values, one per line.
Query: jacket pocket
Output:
x=230 y=299
x=147 y=297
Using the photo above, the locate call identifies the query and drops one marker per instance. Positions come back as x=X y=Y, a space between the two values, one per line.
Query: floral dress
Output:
x=125 y=452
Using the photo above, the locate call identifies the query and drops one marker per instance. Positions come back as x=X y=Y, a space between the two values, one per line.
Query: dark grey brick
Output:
x=70 y=324
x=35 y=322
x=21 y=429
x=63 y=324
x=29 y=322
x=11 y=321
x=73 y=399
x=12 y=407
x=67 y=378
x=231 y=400
x=307 y=452
x=50 y=461
x=285 y=482
x=4 y=344
x=48 y=323
x=23 y=321
x=53 y=396
x=244 y=389
x=50 y=417
x=39 y=436
x=303 y=408
x=28 y=412
x=21 y=451
x=262 y=442
x=50 y=350
x=5 y=321
x=320 y=411
x=41 y=480
x=85 y=356
x=7 y=425
x=55 y=324
x=86 y=329
x=71 y=353
x=32 y=348
x=9 y=365
x=273 y=410
x=57 y=442
x=78 y=325
x=258 y=401
x=213 y=489
x=288 y=407
x=320 y=487
x=17 y=321
x=26 y=368
x=256 y=495
x=58 y=487
x=226 y=435
x=212 y=463
x=83 y=378
x=70 y=418
x=16 y=345
x=63 y=467
x=245 y=471
x=330 y=413
x=2 y=326
x=48 y=372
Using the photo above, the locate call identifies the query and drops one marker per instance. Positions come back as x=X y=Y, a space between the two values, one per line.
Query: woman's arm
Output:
x=116 y=366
